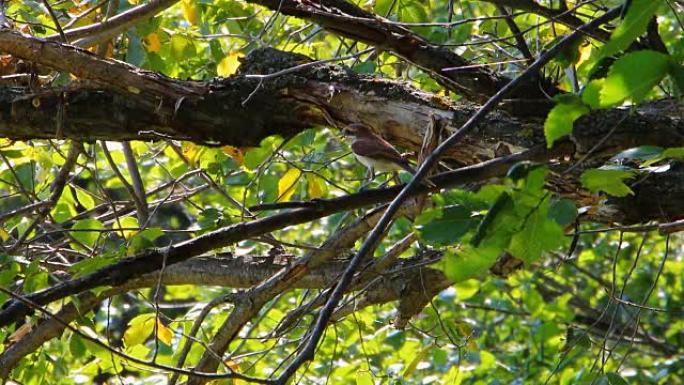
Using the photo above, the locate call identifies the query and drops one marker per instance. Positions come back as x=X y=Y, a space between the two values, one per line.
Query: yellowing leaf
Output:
x=152 y=42
x=140 y=327
x=190 y=11
x=229 y=64
x=4 y=235
x=315 y=186
x=288 y=184
x=192 y=152
x=164 y=333
x=127 y=223
x=234 y=153
x=585 y=53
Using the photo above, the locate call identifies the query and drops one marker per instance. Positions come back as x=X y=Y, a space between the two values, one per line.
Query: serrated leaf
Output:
x=633 y=76
x=591 y=94
x=609 y=181
x=539 y=234
x=559 y=122
x=287 y=185
x=447 y=226
x=228 y=65
x=633 y=25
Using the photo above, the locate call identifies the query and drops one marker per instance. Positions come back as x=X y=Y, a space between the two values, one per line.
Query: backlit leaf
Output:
x=633 y=76
x=229 y=64
x=610 y=181
x=632 y=26
x=287 y=185
x=559 y=122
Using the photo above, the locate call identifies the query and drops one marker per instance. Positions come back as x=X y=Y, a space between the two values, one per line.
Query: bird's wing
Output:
x=376 y=148
x=379 y=148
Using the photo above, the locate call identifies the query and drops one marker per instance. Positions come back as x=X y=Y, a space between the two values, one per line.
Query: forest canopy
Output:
x=184 y=197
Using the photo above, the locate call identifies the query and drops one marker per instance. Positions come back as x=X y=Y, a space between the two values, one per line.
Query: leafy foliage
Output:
x=588 y=305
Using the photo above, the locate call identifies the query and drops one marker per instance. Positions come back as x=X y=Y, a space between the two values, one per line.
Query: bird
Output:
x=374 y=152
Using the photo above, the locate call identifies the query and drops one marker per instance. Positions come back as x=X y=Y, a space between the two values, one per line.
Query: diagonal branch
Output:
x=86 y=65
x=307 y=349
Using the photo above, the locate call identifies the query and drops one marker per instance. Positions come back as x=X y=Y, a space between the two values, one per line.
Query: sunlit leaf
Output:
x=190 y=11
x=152 y=42
x=81 y=231
x=559 y=122
x=287 y=185
x=229 y=64
x=139 y=329
x=632 y=26
x=633 y=76
x=610 y=181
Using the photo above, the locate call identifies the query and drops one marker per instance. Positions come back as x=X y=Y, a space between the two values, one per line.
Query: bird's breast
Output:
x=380 y=165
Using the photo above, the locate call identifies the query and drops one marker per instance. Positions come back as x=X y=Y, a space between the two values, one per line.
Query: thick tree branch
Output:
x=86 y=65
x=347 y=20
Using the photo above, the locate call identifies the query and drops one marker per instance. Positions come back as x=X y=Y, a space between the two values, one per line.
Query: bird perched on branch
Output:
x=374 y=152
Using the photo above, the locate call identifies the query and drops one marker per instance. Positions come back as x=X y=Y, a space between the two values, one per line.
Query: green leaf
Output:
x=563 y=212
x=633 y=76
x=88 y=265
x=559 y=121
x=84 y=236
x=633 y=25
x=182 y=47
x=591 y=94
x=677 y=74
x=470 y=262
x=255 y=156
x=615 y=379
x=467 y=289
x=448 y=226
x=539 y=234
x=610 y=181
x=85 y=199
x=364 y=377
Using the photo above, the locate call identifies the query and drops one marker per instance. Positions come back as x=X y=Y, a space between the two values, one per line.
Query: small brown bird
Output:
x=374 y=152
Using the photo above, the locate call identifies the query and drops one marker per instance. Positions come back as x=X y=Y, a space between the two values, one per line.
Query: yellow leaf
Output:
x=288 y=184
x=4 y=235
x=411 y=367
x=192 y=152
x=234 y=153
x=190 y=11
x=585 y=53
x=127 y=223
x=164 y=333
x=140 y=327
x=229 y=64
x=316 y=186
x=152 y=42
